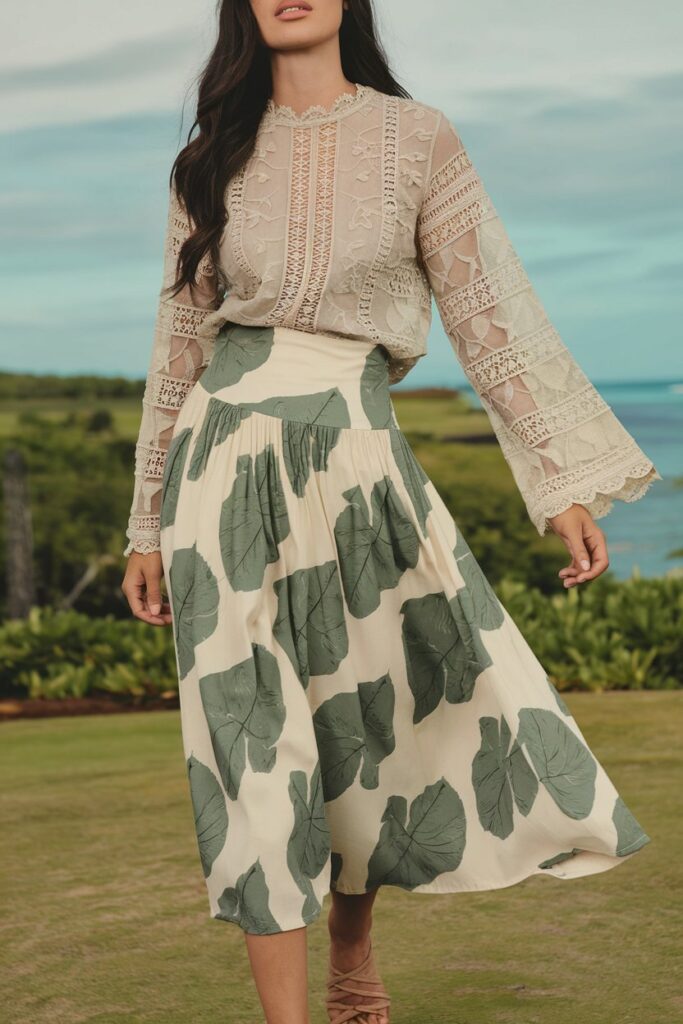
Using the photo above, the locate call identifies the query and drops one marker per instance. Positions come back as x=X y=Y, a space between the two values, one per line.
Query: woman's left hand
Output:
x=584 y=541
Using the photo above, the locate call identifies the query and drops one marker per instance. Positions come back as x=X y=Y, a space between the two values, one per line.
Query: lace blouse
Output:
x=347 y=220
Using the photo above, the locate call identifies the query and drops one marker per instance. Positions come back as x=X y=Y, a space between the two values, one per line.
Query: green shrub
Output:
x=613 y=635
x=610 y=636
x=68 y=654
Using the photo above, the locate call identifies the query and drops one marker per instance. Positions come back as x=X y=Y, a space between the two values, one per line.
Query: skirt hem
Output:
x=302 y=922
x=452 y=889
x=493 y=886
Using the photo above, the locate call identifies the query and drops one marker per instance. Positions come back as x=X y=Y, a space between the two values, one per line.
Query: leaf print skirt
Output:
x=357 y=707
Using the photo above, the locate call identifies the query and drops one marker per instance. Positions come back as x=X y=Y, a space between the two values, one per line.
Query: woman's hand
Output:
x=584 y=541
x=142 y=587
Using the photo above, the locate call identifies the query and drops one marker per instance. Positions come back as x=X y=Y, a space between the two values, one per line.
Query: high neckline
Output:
x=342 y=104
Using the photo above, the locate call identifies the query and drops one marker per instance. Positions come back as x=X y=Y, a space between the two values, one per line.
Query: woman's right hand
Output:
x=142 y=587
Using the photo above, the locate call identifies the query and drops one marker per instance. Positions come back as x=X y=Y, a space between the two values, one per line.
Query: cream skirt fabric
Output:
x=357 y=707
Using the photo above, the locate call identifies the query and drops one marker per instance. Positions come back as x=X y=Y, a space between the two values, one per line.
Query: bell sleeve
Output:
x=561 y=440
x=180 y=352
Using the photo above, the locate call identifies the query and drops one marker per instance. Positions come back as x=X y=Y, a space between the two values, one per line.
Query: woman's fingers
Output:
x=597 y=546
x=580 y=563
x=135 y=593
x=153 y=591
x=163 y=616
x=580 y=556
x=590 y=556
x=142 y=587
x=569 y=570
x=585 y=542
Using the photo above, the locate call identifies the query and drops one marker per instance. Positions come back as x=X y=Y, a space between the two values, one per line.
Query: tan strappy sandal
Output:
x=362 y=981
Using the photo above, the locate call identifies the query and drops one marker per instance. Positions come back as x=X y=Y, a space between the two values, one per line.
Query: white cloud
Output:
x=451 y=55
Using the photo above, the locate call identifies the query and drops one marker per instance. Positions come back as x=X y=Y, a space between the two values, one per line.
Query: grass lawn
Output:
x=106 y=918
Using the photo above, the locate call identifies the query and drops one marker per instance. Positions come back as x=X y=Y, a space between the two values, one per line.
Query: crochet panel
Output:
x=322 y=220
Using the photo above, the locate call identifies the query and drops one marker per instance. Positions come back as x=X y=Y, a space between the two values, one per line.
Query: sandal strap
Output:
x=362 y=981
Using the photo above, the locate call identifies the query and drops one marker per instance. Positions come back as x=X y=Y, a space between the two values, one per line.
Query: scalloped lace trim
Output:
x=142 y=546
x=284 y=114
x=597 y=493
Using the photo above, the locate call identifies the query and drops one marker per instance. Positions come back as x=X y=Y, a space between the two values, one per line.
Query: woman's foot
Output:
x=355 y=993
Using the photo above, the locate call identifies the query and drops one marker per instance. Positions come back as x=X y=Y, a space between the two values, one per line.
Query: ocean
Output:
x=641 y=536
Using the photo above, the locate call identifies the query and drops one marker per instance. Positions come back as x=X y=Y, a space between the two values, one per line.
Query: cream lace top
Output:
x=346 y=220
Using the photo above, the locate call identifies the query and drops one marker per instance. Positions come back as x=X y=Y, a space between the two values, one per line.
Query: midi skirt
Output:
x=357 y=707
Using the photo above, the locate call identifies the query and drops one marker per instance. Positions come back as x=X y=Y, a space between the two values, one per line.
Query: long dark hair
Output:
x=233 y=88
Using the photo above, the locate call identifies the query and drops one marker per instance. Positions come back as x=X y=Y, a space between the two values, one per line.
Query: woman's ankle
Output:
x=349 y=939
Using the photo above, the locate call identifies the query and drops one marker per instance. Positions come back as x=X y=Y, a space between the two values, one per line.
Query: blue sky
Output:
x=573 y=121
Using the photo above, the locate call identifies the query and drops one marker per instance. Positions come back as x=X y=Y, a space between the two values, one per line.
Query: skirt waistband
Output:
x=301 y=376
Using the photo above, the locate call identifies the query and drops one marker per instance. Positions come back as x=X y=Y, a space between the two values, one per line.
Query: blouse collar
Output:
x=344 y=103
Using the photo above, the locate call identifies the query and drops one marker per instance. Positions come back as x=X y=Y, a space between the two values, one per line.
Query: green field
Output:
x=106 y=918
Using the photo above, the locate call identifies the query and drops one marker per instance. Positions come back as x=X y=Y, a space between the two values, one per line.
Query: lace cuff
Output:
x=143 y=535
x=624 y=475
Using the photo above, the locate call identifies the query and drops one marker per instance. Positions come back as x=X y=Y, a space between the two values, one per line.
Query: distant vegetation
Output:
x=26 y=386
x=77 y=438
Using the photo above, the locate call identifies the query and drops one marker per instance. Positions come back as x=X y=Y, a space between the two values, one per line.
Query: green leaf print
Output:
x=374 y=389
x=235 y=353
x=296 y=452
x=326 y=408
x=486 y=609
x=310 y=625
x=323 y=440
x=562 y=762
x=413 y=475
x=210 y=812
x=373 y=555
x=272 y=501
x=308 y=848
x=352 y=729
x=310 y=430
x=559 y=858
x=194 y=595
x=559 y=699
x=247 y=903
x=630 y=836
x=500 y=772
x=377 y=702
x=413 y=850
x=306 y=447
x=245 y=712
x=173 y=474
x=522 y=779
x=336 y=864
x=253 y=520
x=220 y=420
x=444 y=655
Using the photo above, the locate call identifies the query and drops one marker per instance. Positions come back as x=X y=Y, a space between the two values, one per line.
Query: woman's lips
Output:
x=289 y=15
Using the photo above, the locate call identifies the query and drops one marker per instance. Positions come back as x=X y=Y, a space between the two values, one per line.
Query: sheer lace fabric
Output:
x=561 y=439
x=177 y=360
x=345 y=221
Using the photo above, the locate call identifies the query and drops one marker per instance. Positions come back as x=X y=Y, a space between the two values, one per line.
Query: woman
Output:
x=357 y=708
